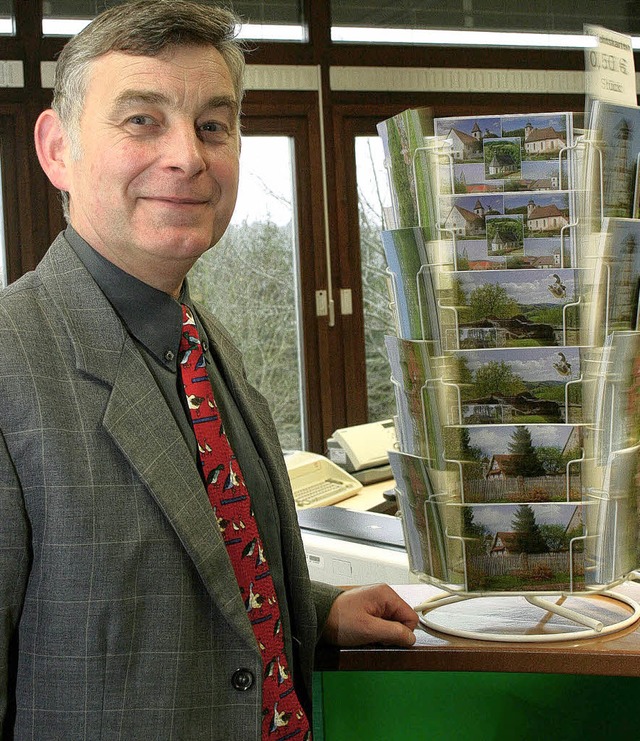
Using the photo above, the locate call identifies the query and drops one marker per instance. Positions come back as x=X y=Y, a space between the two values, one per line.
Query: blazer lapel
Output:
x=142 y=426
x=144 y=429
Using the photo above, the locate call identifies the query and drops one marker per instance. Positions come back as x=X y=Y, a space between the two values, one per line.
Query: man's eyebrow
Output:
x=129 y=98
x=223 y=101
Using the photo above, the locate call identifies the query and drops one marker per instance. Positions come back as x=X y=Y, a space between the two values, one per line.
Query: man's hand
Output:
x=374 y=614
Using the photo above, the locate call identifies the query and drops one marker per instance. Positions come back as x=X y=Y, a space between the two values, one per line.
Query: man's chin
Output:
x=177 y=243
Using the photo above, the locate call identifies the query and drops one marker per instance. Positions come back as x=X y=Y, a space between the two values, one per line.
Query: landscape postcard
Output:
x=523 y=547
x=424 y=513
x=523 y=386
x=408 y=253
x=502 y=159
x=416 y=391
x=517 y=463
x=509 y=308
x=410 y=168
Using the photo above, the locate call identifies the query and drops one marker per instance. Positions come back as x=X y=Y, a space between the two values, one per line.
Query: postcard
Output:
x=523 y=386
x=424 y=512
x=484 y=154
x=614 y=551
x=613 y=158
x=502 y=159
x=636 y=191
x=413 y=283
x=415 y=377
x=523 y=547
x=411 y=168
x=509 y=308
x=612 y=450
x=466 y=135
x=517 y=463
x=509 y=231
x=613 y=304
x=614 y=395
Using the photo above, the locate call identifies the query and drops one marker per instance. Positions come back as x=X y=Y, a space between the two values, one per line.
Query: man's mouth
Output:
x=179 y=201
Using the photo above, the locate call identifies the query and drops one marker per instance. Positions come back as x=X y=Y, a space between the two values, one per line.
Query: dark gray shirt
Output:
x=154 y=321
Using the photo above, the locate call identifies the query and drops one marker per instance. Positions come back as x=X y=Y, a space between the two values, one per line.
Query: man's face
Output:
x=156 y=182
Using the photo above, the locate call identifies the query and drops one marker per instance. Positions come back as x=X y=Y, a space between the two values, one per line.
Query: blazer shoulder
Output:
x=23 y=306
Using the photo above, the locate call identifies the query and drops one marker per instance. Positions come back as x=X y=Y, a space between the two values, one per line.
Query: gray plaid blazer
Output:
x=120 y=613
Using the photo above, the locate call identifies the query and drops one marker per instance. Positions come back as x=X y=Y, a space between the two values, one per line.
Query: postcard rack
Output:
x=513 y=483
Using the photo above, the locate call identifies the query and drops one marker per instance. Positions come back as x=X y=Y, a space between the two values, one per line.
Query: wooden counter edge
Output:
x=616 y=654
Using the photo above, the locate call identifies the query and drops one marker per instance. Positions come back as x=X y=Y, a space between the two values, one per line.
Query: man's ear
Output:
x=52 y=147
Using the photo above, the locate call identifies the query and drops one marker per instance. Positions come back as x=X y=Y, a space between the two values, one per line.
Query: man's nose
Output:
x=184 y=150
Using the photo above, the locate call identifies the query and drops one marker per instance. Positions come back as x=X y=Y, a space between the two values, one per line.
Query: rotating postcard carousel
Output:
x=515 y=367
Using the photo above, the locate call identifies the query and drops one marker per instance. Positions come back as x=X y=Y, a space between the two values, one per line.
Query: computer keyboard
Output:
x=322 y=493
x=317 y=481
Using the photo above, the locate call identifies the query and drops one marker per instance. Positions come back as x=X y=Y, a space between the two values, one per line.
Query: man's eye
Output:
x=141 y=120
x=213 y=127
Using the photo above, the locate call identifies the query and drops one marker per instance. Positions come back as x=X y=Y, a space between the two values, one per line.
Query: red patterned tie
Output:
x=282 y=714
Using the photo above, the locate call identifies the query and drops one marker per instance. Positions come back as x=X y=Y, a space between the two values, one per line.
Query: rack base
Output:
x=529 y=618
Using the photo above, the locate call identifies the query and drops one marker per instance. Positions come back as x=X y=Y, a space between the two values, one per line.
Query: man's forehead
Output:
x=201 y=65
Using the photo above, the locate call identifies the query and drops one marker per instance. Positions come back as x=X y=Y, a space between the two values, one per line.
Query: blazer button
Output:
x=242 y=679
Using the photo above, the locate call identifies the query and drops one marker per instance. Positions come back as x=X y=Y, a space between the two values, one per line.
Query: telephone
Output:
x=316 y=481
x=362 y=446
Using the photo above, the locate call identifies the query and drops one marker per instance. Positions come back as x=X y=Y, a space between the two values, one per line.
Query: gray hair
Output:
x=142 y=28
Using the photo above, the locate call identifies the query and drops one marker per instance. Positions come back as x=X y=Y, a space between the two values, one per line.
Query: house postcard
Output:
x=509 y=308
x=500 y=464
x=495 y=231
x=523 y=386
x=488 y=154
x=522 y=547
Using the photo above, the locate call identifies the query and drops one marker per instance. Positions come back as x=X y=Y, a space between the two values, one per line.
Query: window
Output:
x=68 y=17
x=280 y=20
x=249 y=281
x=7 y=25
x=551 y=16
x=16 y=210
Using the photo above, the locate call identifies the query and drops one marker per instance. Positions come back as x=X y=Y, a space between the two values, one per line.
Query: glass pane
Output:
x=282 y=19
x=373 y=198
x=488 y=15
x=7 y=25
x=249 y=280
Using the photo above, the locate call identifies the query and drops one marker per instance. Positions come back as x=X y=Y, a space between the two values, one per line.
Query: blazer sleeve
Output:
x=15 y=559
x=324 y=596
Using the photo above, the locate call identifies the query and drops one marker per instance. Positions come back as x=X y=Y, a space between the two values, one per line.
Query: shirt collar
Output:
x=153 y=317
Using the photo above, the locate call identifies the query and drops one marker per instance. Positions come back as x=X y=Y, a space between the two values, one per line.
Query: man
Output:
x=126 y=611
